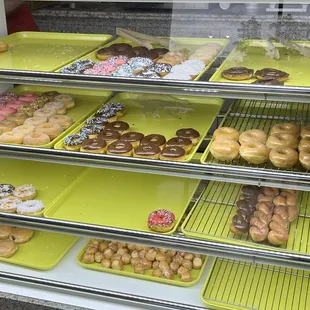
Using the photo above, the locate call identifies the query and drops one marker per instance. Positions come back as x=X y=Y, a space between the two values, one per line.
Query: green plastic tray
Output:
x=252 y=54
x=211 y=216
x=86 y=103
x=240 y=285
x=181 y=43
x=122 y=199
x=165 y=115
x=128 y=271
x=47 y=51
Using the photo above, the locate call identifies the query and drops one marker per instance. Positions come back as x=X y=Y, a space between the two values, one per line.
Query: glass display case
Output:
x=157 y=155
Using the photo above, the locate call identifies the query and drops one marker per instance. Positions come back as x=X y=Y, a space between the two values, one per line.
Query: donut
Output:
x=160 y=51
x=106 y=53
x=6 y=126
x=238 y=73
x=30 y=95
x=254 y=152
x=139 y=63
x=173 y=153
x=225 y=149
x=304 y=144
x=91 y=130
x=64 y=121
x=30 y=207
x=289 y=128
x=7 y=248
x=271 y=74
x=5 y=111
x=36 y=138
x=116 y=106
x=283 y=157
x=305 y=131
x=74 y=142
x=15 y=104
x=53 y=130
x=253 y=135
x=226 y=133
x=23 y=129
x=161 y=221
x=150 y=151
x=2 y=118
x=133 y=138
x=21 y=235
x=102 y=121
x=67 y=100
x=140 y=50
x=109 y=115
x=12 y=137
x=156 y=139
x=28 y=108
x=120 y=148
x=3 y=47
x=282 y=140
x=35 y=120
x=109 y=136
x=58 y=106
x=184 y=143
x=25 y=192
x=8 y=97
x=95 y=145
x=26 y=99
x=18 y=117
x=189 y=133
x=5 y=232
x=41 y=101
x=304 y=158
x=119 y=126
x=50 y=95
x=9 y=204
x=6 y=190
x=45 y=112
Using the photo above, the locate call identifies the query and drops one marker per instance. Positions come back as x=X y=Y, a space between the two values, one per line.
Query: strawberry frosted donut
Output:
x=161 y=221
x=2 y=118
x=15 y=104
x=5 y=111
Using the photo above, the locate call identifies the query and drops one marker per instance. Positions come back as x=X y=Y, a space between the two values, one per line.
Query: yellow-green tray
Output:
x=44 y=251
x=86 y=103
x=47 y=51
x=128 y=271
x=181 y=43
x=252 y=54
x=50 y=180
x=122 y=199
x=166 y=114
x=239 y=285
x=211 y=216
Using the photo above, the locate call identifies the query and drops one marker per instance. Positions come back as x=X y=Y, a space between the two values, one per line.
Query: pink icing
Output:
x=7 y=111
x=32 y=95
x=25 y=99
x=14 y=105
x=2 y=118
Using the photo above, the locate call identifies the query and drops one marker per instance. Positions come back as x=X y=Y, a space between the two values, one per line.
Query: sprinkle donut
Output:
x=161 y=221
x=6 y=190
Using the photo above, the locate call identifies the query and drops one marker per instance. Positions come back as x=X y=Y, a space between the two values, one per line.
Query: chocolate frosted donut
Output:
x=128 y=53
x=132 y=137
x=271 y=74
x=172 y=153
x=93 y=146
x=238 y=73
x=250 y=190
x=121 y=47
x=160 y=51
x=147 y=151
x=108 y=51
x=117 y=126
x=151 y=55
x=156 y=139
x=184 y=143
x=120 y=148
x=240 y=224
x=109 y=136
x=247 y=206
x=189 y=133
x=140 y=50
x=268 y=82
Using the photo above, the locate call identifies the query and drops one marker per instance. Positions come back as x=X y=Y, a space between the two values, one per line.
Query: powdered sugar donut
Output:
x=30 y=207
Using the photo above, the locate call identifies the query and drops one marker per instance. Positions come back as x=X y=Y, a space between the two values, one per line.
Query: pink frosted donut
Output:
x=14 y=105
x=2 y=118
x=25 y=99
x=161 y=220
x=7 y=111
x=32 y=95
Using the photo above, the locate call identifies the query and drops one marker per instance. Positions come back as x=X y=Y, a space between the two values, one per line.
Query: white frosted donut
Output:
x=226 y=133
x=30 y=207
x=289 y=128
x=9 y=204
x=253 y=135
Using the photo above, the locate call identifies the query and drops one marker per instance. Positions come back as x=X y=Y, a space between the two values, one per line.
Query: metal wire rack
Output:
x=212 y=214
x=241 y=285
x=255 y=114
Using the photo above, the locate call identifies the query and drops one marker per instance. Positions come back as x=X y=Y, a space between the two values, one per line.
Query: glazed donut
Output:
x=53 y=130
x=6 y=126
x=6 y=190
x=282 y=140
x=304 y=158
x=36 y=138
x=7 y=248
x=119 y=126
x=23 y=129
x=120 y=148
x=283 y=157
x=253 y=135
x=226 y=133
x=254 y=152
x=67 y=100
x=133 y=138
x=30 y=207
x=174 y=153
x=289 y=128
x=184 y=143
x=64 y=121
x=97 y=146
x=305 y=131
x=12 y=137
x=156 y=139
x=5 y=232
x=18 y=117
x=304 y=144
x=161 y=221
x=189 y=133
x=150 y=151
x=21 y=235
x=25 y=192
x=9 y=204
x=109 y=136
x=225 y=149
x=35 y=121
x=3 y=47
x=58 y=106
x=91 y=130
x=45 y=112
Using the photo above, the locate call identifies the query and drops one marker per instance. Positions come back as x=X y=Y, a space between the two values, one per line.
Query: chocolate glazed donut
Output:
x=150 y=151
x=109 y=136
x=117 y=126
x=120 y=148
x=175 y=153
x=158 y=140
x=93 y=146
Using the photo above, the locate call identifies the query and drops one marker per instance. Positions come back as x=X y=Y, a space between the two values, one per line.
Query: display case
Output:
x=208 y=103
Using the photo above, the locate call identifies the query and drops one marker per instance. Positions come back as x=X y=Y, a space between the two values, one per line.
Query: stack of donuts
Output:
x=159 y=263
x=255 y=147
x=19 y=199
x=104 y=133
x=265 y=213
x=34 y=120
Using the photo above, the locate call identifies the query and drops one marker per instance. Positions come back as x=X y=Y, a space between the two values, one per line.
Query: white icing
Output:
x=190 y=67
x=30 y=206
x=9 y=203
x=178 y=76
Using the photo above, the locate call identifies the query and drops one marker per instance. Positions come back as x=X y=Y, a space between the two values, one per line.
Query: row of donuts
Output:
x=265 y=213
x=256 y=147
x=32 y=119
x=104 y=134
x=19 y=199
x=160 y=263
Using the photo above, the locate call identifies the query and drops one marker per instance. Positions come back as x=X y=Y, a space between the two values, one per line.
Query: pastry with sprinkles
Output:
x=161 y=221
x=123 y=71
x=109 y=115
x=160 y=69
x=139 y=63
x=91 y=130
x=74 y=142
x=7 y=97
x=6 y=190
x=100 y=120
x=78 y=66
x=118 y=107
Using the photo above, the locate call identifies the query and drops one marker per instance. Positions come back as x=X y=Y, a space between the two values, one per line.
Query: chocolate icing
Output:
x=147 y=150
x=181 y=142
x=93 y=144
x=118 y=147
x=236 y=71
x=131 y=136
x=117 y=126
x=158 y=140
x=187 y=133
x=270 y=74
x=109 y=135
x=239 y=223
x=250 y=190
x=173 y=151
